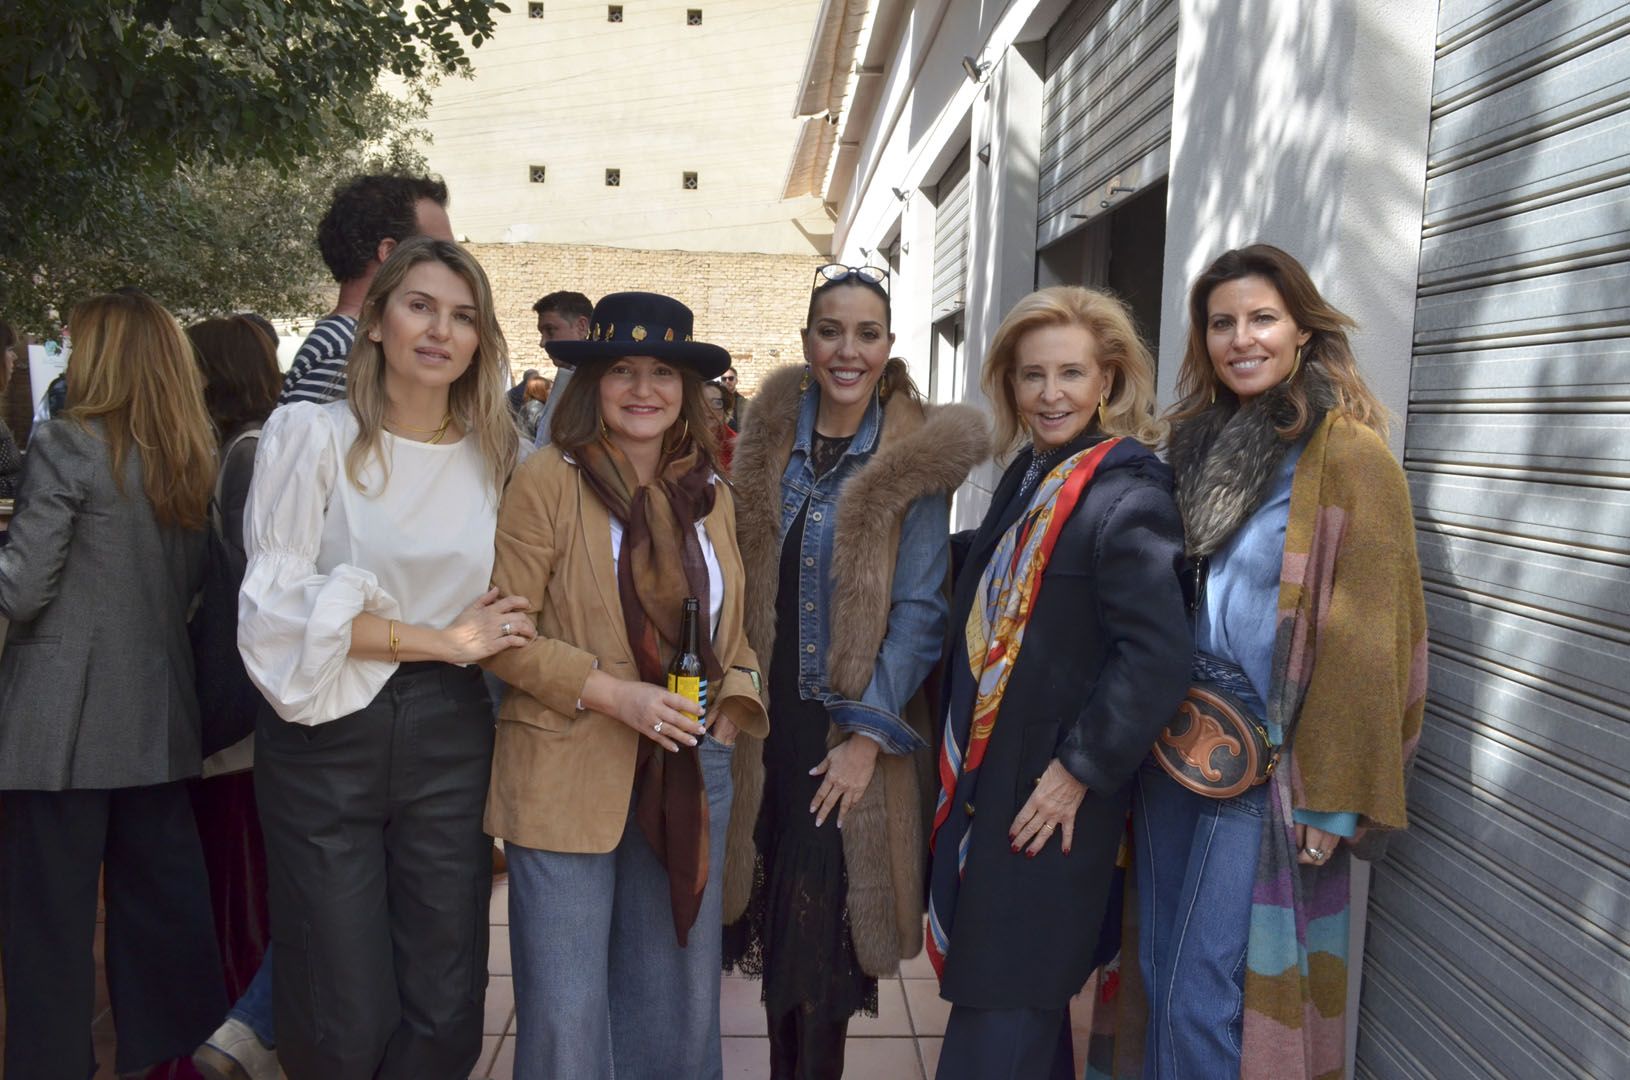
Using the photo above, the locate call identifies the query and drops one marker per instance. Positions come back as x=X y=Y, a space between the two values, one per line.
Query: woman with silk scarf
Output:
x=1069 y=649
x=610 y=792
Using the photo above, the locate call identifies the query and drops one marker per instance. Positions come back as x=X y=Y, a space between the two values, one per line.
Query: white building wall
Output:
x=651 y=96
x=1305 y=125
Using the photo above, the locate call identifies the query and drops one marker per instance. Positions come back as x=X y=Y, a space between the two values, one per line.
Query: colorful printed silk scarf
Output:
x=1007 y=594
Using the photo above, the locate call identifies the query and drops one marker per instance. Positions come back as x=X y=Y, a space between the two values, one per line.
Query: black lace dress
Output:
x=795 y=935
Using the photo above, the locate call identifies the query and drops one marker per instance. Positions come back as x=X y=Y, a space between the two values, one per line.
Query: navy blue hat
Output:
x=643 y=324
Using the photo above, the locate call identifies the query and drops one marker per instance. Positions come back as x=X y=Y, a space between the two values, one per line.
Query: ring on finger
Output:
x=1048 y=828
x=656 y=729
x=507 y=629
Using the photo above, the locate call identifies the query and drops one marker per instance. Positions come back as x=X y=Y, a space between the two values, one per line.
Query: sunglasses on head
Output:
x=837 y=273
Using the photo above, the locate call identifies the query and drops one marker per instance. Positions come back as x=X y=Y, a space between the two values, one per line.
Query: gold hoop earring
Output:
x=683 y=435
x=1103 y=420
x=1296 y=365
x=605 y=432
x=803 y=384
x=1213 y=393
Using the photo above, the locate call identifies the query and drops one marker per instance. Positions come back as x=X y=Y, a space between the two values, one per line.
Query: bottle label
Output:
x=693 y=688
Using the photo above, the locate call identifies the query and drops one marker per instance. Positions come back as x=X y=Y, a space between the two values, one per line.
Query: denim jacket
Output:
x=917 y=604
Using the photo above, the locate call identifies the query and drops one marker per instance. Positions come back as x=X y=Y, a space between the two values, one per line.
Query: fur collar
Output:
x=921 y=449
x=1226 y=458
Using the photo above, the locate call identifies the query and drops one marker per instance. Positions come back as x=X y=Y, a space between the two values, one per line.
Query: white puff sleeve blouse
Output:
x=417 y=549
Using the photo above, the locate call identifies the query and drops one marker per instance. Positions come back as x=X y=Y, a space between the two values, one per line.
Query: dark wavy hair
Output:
x=1199 y=388
x=239 y=362
x=367 y=210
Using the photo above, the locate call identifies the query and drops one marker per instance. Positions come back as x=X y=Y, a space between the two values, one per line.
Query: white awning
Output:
x=807 y=174
x=838 y=29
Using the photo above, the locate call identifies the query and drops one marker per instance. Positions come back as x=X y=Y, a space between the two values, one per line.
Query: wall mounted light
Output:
x=898 y=194
x=1114 y=190
x=865 y=253
x=984 y=154
x=976 y=70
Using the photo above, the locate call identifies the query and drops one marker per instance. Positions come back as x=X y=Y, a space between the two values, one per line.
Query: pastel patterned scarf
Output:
x=993 y=637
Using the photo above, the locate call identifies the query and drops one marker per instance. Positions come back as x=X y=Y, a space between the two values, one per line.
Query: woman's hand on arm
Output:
x=493 y=622
x=654 y=712
x=1051 y=808
x=847 y=769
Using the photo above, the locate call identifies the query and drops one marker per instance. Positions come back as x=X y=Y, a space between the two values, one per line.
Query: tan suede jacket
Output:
x=561 y=776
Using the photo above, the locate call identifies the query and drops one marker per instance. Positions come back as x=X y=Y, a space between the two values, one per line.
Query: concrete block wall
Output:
x=751 y=304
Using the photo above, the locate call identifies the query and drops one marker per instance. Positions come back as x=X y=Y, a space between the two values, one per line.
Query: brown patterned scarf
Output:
x=660 y=564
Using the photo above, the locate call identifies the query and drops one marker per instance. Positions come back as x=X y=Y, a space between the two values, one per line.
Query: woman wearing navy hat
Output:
x=612 y=800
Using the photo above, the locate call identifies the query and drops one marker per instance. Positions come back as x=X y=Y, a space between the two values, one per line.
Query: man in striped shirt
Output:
x=367 y=219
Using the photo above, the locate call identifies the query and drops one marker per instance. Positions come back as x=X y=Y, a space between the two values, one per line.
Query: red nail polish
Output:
x=1030 y=854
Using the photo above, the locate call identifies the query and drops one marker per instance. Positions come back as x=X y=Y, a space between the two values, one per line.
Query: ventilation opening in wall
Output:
x=693 y=17
x=689 y=181
x=537 y=174
x=614 y=13
x=614 y=177
x=534 y=11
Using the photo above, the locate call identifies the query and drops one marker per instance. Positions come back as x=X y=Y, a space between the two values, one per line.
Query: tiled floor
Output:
x=901 y=1043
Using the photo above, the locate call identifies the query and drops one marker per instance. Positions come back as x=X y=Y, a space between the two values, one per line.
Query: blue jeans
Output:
x=254 y=1008
x=1196 y=863
x=601 y=984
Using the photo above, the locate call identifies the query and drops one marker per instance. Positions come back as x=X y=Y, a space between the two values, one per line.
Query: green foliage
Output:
x=178 y=126
x=212 y=238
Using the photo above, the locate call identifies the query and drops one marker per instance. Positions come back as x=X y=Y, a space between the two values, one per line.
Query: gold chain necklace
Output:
x=436 y=433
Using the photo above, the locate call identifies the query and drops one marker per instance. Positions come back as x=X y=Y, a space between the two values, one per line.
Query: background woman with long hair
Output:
x=98 y=718
x=364 y=607
x=238 y=357
x=1308 y=610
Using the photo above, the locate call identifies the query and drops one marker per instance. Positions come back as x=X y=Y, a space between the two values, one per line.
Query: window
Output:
x=614 y=13
x=689 y=181
x=536 y=174
x=614 y=177
x=534 y=11
x=693 y=17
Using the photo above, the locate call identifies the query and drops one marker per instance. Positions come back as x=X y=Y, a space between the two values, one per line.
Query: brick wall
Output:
x=751 y=304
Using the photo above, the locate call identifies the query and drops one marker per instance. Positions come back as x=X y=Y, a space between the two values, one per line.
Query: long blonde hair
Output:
x=476 y=398
x=133 y=369
x=1199 y=388
x=1130 y=408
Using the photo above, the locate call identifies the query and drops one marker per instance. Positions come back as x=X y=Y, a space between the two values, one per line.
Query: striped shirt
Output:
x=318 y=372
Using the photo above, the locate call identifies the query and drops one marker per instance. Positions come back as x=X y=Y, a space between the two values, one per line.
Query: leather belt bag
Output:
x=1214 y=746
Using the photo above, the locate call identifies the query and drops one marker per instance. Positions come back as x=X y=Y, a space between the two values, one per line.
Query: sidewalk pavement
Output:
x=901 y=1043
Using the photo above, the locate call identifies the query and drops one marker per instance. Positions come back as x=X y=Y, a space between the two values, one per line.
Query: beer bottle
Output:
x=685 y=675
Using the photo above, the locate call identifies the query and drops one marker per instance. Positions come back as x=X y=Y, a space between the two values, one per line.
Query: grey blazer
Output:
x=96 y=682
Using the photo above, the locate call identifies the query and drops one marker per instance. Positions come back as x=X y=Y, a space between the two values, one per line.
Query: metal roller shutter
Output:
x=1499 y=925
x=1106 y=107
x=951 y=238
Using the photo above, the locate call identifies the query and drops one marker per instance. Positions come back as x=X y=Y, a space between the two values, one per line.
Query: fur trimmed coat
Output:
x=922 y=450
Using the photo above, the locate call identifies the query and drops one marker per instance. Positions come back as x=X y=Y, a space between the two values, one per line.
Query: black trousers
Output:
x=806 y=1047
x=380 y=880
x=163 y=969
x=1007 y=1044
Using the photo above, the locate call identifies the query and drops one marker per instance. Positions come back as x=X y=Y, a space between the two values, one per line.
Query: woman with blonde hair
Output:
x=1308 y=612
x=1068 y=651
x=98 y=718
x=364 y=608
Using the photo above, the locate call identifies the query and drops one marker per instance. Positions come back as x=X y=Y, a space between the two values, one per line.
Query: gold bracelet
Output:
x=396 y=643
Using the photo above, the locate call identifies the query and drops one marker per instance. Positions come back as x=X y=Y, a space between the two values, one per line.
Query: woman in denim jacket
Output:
x=844 y=479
